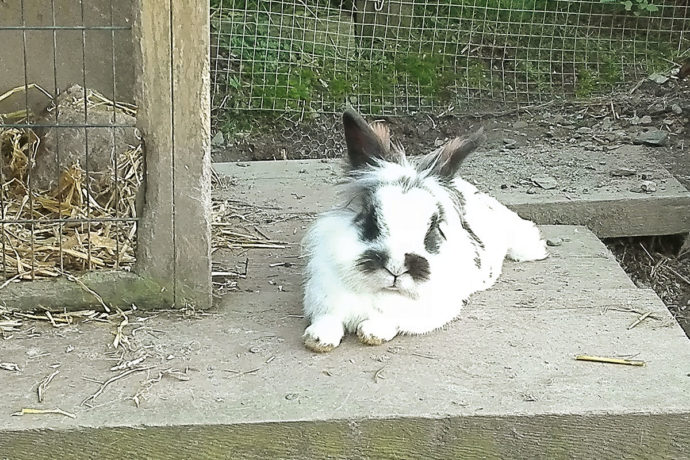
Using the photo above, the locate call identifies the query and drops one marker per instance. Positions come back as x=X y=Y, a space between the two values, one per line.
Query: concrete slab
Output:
x=501 y=379
x=589 y=189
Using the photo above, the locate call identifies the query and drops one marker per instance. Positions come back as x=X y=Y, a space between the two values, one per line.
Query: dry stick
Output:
x=43 y=386
x=88 y=289
x=6 y=283
x=261 y=233
x=599 y=359
x=111 y=380
x=647 y=252
x=44 y=411
x=118 y=334
x=677 y=274
x=128 y=364
x=640 y=319
x=377 y=375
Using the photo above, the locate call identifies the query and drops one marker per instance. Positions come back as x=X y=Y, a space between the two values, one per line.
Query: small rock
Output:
x=635 y=120
x=504 y=186
x=646 y=120
x=656 y=109
x=646 y=175
x=584 y=130
x=648 y=186
x=520 y=124
x=554 y=241
x=545 y=182
x=510 y=143
x=677 y=109
x=531 y=191
x=607 y=123
x=218 y=140
x=622 y=172
x=658 y=78
x=654 y=138
x=645 y=187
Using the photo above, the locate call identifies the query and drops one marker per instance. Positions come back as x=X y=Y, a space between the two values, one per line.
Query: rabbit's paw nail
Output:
x=372 y=332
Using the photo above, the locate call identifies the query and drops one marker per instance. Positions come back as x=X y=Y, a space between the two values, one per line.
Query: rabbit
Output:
x=409 y=243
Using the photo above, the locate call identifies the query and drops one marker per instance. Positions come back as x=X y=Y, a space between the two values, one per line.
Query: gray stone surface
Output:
x=586 y=193
x=506 y=364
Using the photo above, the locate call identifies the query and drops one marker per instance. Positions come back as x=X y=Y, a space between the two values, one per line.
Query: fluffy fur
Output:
x=409 y=244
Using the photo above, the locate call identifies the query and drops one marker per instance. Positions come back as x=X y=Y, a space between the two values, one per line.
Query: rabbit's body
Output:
x=410 y=244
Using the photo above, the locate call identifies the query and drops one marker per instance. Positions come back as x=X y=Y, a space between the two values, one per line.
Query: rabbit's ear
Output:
x=446 y=161
x=363 y=143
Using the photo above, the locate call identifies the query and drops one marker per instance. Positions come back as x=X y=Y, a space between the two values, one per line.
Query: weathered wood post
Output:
x=173 y=81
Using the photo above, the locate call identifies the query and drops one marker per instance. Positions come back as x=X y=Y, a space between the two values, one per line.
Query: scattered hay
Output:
x=38 y=242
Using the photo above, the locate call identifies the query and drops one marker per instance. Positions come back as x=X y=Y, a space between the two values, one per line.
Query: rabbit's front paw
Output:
x=376 y=331
x=324 y=334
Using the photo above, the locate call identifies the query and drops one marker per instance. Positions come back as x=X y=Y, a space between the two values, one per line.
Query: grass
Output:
x=277 y=57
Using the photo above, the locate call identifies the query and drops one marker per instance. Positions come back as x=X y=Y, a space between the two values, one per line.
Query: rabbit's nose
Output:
x=395 y=271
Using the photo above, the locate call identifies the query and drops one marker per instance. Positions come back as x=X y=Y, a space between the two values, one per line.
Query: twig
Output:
x=50 y=318
x=9 y=366
x=146 y=386
x=28 y=411
x=10 y=280
x=118 y=334
x=377 y=375
x=43 y=386
x=243 y=372
x=639 y=320
x=261 y=233
x=128 y=364
x=109 y=381
x=647 y=252
x=677 y=274
x=599 y=359
x=422 y=355
x=87 y=289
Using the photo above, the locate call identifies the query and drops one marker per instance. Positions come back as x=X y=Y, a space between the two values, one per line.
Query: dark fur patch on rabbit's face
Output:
x=368 y=220
x=401 y=223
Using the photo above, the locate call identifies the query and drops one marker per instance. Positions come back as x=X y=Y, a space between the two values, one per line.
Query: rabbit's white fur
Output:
x=378 y=304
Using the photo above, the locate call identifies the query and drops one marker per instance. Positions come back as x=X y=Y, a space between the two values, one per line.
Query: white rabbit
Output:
x=408 y=245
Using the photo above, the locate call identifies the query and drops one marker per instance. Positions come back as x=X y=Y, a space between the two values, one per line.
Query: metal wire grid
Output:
x=398 y=57
x=48 y=234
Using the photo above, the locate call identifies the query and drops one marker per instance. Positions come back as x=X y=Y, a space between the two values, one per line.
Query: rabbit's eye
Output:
x=432 y=239
x=368 y=223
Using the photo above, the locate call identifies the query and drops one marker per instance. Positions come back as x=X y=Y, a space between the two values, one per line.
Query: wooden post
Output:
x=172 y=43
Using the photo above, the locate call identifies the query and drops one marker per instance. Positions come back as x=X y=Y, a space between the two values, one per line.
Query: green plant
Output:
x=636 y=6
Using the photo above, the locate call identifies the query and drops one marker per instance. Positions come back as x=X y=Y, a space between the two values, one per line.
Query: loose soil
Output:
x=656 y=115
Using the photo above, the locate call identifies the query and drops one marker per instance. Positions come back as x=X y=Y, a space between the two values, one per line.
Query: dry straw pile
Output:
x=46 y=232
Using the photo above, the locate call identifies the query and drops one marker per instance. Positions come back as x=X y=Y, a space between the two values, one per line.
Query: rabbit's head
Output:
x=404 y=212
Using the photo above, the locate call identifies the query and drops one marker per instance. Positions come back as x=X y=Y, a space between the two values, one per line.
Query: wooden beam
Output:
x=172 y=42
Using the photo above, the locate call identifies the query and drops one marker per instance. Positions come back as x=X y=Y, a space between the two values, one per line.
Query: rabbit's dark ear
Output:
x=363 y=144
x=446 y=161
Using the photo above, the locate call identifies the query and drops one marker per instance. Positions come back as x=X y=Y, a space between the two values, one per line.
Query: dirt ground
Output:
x=652 y=113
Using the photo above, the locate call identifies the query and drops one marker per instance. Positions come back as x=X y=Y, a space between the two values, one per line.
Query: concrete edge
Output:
x=116 y=288
x=614 y=218
x=637 y=435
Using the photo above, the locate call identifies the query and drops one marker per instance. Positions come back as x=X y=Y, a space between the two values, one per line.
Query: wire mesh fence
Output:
x=404 y=56
x=70 y=156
